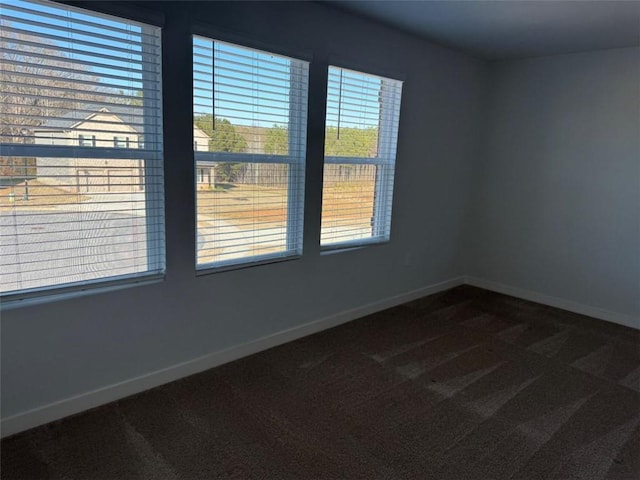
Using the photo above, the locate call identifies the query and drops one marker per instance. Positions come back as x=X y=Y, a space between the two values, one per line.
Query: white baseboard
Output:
x=588 y=310
x=85 y=401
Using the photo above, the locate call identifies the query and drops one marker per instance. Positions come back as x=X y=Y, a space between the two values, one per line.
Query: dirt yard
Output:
x=40 y=195
x=243 y=205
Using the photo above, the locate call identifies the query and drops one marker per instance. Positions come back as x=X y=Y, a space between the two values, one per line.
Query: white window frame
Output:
x=385 y=162
x=120 y=142
x=87 y=140
x=295 y=159
x=154 y=190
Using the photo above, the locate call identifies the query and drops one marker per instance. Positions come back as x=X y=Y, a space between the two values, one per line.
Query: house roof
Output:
x=129 y=114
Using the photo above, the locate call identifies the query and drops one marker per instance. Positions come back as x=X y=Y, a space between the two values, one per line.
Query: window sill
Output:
x=18 y=300
x=352 y=246
x=211 y=269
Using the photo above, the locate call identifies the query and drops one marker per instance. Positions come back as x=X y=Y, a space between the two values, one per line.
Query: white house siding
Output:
x=205 y=172
x=105 y=127
x=200 y=140
x=91 y=175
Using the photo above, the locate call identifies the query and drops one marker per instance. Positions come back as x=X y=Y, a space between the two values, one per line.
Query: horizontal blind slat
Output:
x=71 y=31
x=93 y=53
x=54 y=88
x=240 y=51
x=74 y=81
x=65 y=18
x=61 y=38
x=81 y=72
x=81 y=65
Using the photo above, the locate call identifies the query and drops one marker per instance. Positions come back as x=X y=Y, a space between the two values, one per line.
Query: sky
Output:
x=252 y=87
x=74 y=34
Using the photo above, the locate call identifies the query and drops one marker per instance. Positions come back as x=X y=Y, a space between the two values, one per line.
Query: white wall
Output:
x=53 y=351
x=557 y=204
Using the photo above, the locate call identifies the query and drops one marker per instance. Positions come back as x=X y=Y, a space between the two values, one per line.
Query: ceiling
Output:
x=497 y=30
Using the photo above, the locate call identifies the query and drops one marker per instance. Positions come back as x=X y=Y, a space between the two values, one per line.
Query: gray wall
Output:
x=56 y=350
x=557 y=204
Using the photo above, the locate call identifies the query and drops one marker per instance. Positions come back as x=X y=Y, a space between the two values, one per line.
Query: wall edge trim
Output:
x=552 y=301
x=85 y=401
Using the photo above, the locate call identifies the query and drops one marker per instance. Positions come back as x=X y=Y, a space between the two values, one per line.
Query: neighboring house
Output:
x=113 y=127
x=205 y=173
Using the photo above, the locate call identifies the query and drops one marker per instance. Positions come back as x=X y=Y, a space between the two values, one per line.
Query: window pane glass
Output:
x=249 y=108
x=66 y=220
x=242 y=210
x=249 y=147
x=81 y=195
x=353 y=114
x=347 y=202
x=360 y=148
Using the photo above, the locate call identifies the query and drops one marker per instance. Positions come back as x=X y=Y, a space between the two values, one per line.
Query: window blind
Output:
x=250 y=113
x=360 y=151
x=81 y=197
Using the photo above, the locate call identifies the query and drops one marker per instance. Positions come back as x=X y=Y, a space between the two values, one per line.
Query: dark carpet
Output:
x=465 y=384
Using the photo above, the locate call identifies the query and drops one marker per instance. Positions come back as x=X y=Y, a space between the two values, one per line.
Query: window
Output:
x=68 y=216
x=360 y=152
x=250 y=111
x=121 y=142
x=86 y=140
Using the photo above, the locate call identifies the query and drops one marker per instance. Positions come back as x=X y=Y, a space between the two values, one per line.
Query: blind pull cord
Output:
x=339 y=105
